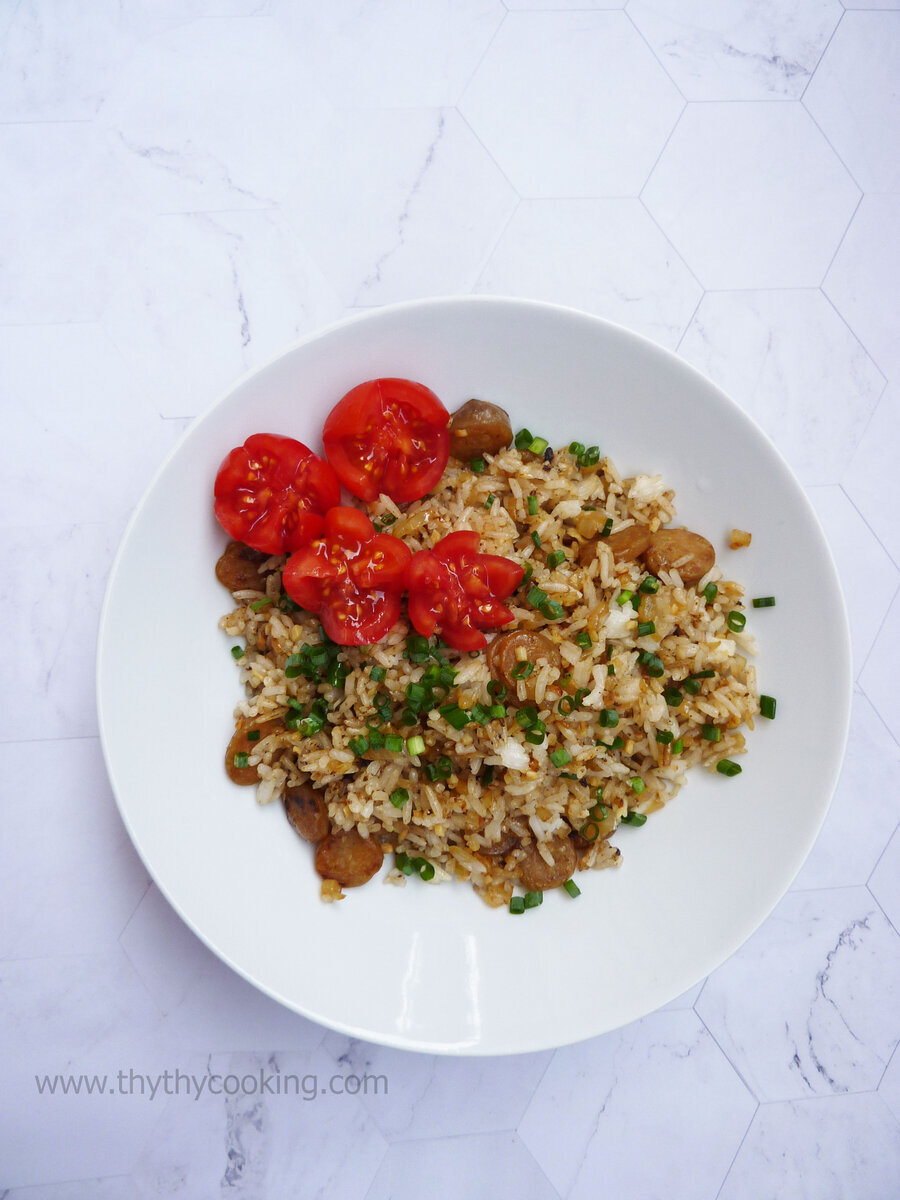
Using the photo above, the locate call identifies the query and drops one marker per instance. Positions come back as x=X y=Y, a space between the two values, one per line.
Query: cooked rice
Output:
x=449 y=823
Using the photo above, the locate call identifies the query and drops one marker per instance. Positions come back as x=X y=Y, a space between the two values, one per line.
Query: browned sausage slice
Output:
x=507 y=841
x=307 y=812
x=537 y=875
x=627 y=545
x=669 y=546
x=479 y=428
x=509 y=649
x=348 y=858
x=241 y=744
x=238 y=568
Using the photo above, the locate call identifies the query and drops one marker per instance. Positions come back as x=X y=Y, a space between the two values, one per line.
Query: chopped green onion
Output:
x=652 y=662
x=241 y=760
x=607 y=528
x=710 y=592
x=415 y=745
x=497 y=711
x=767 y=707
x=447 y=675
x=572 y=888
x=568 y=775
x=552 y=610
x=637 y=785
x=523 y=439
x=376 y=739
x=583 y=639
x=590 y=831
x=535 y=736
x=599 y=812
x=608 y=718
x=649 y=586
x=260 y=604
x=416 y=694
x=576 y=448
x=711 y=733
x=497 y=689
x=764 y=602
x=417 y=648
x=517 y=905
x=735 y=621
x=454 y=716
x=425 y=869
x=673 y=697
x=336 y=675
x=726 y=767
x=403 y=863
x=529 y=571
x=478 y=466
x=536 y=538
x=253 y=735
x=678 y=746
x=532 y=505
x=237 y=652
x=536 y=597
x=610 y=669
x=527 y=716
x=442 y=769
x=580 y=694
x=623 y=597
x=645 y=628
x=533 y=899
x=377 y=673
x=590 y=457
x=490 y=500
x=560 y=757
x=487 y=775
x=634 y=818
x=554 y=559
x=479 y=714
x=387 y=519
x=566 y=705
x=664 y=737
x=394 y=743
x=538 y=445
x=294 y=666
x=691 y=686
x=703 y=675
x=522 y=670
x=359 y=745
x=286 y=604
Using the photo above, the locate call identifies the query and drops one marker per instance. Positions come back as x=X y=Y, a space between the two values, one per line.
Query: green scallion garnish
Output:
x=710 y=592
x=652 y=662
x=536 y=597
x=532 y=505
x=536 y=736
x=523 y=439
x=399 y=797
x=726 y=767
x=711 y=733
x=583 y=639
x=665 y=737
x=377 y=673
x=637 y=784
x=490 y=500
x=645 y=628
x=764 y=602
x=536 y=538
x=522 y=670
x=571 y=888
x=623 y=597
x=359 y=745
x=590 y=457
x=590 y=831
x=576 y=448
x=253 y=735
x=649 y=586
x=497 y=690
x=554 y=559
x=415 y=745
x=560 y=757
x=517 y=905
x=673 y=697
x=241 y=760
x=767 y=706
x=735 y=621
x=538 y=445
x=608 y=718
x=678 y=746
x=634 y=818
x=237 y=652
x=607 y=528
x=257 y=605
x=533 y=899
x=552 y=610
x=478 y=466
x=454 y=716
x=394 y=743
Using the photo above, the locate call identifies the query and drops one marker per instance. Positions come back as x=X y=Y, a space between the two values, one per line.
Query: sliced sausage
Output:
x=479 y=428
x=669 y=546
x=627 y=545
x=307 y=812
x=238 y=568
x=536 y=874
x=241 y=744
x=507 y=841
x=348 y=858
x=509 y=649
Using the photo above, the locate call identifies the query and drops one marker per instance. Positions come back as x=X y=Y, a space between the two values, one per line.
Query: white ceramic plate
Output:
x=433 y=968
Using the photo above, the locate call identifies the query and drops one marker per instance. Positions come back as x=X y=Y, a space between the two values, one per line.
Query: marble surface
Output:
x=190 y=184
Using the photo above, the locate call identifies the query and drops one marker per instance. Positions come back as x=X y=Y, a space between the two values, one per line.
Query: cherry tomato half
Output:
x=271 y=493
x=351 y=576
x=390 y=436
x=457 y=592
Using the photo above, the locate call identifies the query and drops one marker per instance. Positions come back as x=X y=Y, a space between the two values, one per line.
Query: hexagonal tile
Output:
x=79 y=1189
x=885 y=882
x=492 y=1164
x=878 y=678
x=806 y=1006
x=617 y=264
x=434 y=204
x=558 y=5
x=859 y=555
x=865 y=809
x=796 y=368
x=561 y=71
x=429 y=1096
x=855 y=100
x=85 y=840
x=751 y=195
x=223 y=130
x=872 y=481
x=148 y=17
x=391 y=54
x=646 y=1068
x=818 y=1148
x=728 y=50
x=863 y=282
x=889 y=1088
x=206 y=296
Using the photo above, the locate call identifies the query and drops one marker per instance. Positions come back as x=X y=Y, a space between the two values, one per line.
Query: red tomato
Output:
x=351 y=576
x=271 y=493
x=388 y=435
x=457 y=592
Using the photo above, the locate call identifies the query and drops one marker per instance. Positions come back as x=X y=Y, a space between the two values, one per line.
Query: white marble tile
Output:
x=480 y=1167
x=433 y=1096
x=51 y=589
x=69 y=209
x=732 y=50
x=686 y=1000
x=262 y=1142
x=864 y=280
x=793 y=364
x=571 y=104
x=435 y=203
x=205 y=296
x=230 y=100
x=52 y=858
x=885 y=881
x=889 y=1088
x=391 y=54
x=879 y=676
x=558 y=5
x=208 y=1007
x=75 y=1015
x=807 y=1007
x=836 y=1148
x=861 y=562
x=638 y=1078
x=59 y=58
x=751 y=195
x=865 y=809
x=87 y=436
x=855 y=100
x=147 y=17
x=872 y=481
x=603 y=256
x=114 y=1188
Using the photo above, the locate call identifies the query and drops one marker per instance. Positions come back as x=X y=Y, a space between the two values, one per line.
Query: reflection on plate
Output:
x=433 y=968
